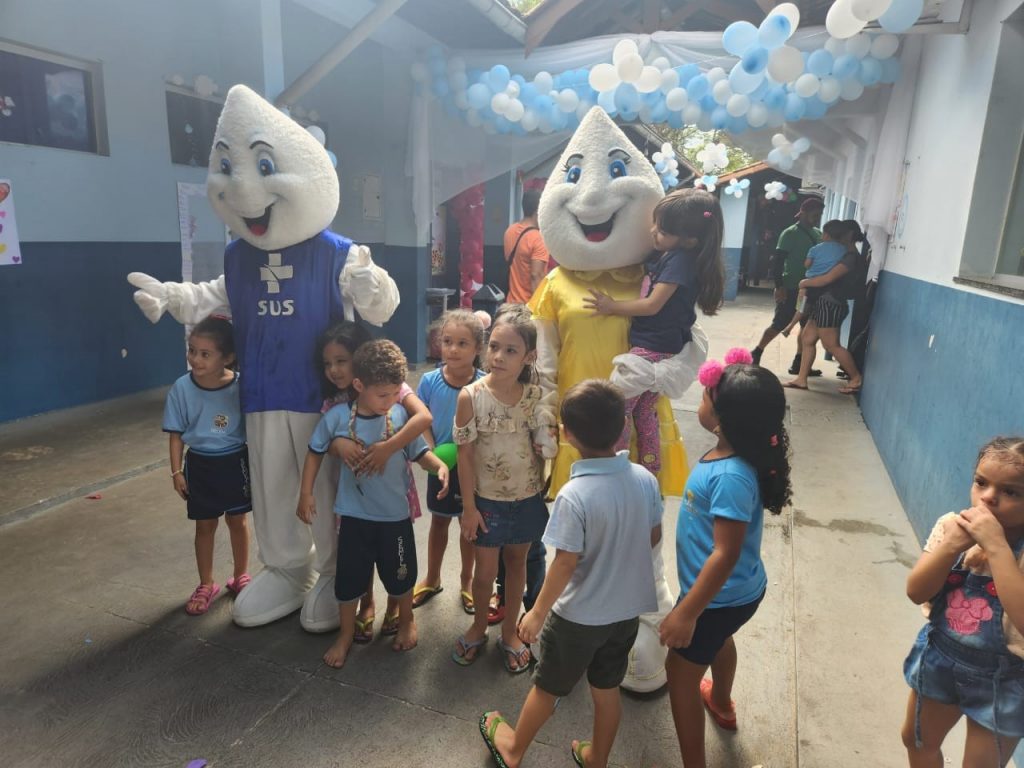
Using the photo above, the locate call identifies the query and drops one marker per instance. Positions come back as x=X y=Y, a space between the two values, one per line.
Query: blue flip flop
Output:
x=466 y=647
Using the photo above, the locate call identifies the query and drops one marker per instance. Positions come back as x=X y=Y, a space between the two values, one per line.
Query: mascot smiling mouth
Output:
x=259 y=225
x=597 y=233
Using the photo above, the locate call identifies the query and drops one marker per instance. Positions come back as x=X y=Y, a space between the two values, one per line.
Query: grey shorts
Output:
x=568 y=649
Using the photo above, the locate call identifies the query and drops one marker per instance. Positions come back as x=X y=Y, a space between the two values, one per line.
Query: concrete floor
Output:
x=101 y=666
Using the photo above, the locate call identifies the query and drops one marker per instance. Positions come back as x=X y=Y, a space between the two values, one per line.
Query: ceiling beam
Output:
x=540 y=23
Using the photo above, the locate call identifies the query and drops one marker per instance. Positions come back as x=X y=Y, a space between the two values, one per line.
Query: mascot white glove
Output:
x=153 y=296
x=367 y=288
x=186 y=302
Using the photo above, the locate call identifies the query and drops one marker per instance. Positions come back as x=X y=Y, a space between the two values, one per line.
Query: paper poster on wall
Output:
x=203 y=235
x=10 y=248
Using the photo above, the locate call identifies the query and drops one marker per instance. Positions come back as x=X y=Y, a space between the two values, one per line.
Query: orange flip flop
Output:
x=724 y=720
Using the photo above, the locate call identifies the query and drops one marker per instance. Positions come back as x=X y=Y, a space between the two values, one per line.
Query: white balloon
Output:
x=676 y=99
x=545 y=82
x=807 y=85
x=779 y=140
x=514 y=111
x=830 y=89
x=568 y=99
x=757 y=115
x=669 y=80
x=840 y=21
x=529 y=120
x=802 y=144
x=204 y=86
x=791 y=12
x=737 y=105
x=859 y=46
x=869 y=10
x=661 y=63
x=317 y=133
x=721 y=91
x=649 y=80
x=603 y=77
x=512 y=89
x=835 y=46
x=630 y=68
x=500 y=102
x=624 y=48
x=884 y=46
x=785 y=64
x=692 y=113
x=657 y=157
x=715 y=74
x=852 y=90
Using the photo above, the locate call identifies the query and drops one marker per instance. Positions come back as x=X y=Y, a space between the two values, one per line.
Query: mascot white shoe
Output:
x=286 y=279
x=595 y=215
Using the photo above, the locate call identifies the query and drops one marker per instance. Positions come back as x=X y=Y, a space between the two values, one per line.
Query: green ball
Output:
x=448 y=453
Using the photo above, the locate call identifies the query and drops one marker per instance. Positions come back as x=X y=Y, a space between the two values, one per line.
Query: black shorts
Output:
x=217 y=485
x=450 y=505
x=784 y=311
x=829 y=312
x=568 y=649
x=714 y=627
x=362 y=544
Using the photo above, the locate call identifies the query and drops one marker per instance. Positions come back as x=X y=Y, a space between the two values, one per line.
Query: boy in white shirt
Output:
x=603 y=524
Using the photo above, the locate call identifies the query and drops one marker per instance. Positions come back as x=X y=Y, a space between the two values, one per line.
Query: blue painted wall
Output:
x=731 y=257
x=930 y=407
x=68 y=312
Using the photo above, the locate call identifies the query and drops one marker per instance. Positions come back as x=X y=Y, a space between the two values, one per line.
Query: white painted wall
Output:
x=944 y=145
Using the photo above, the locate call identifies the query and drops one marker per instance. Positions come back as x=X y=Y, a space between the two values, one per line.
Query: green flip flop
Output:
x=577 y=752
x=487 y=733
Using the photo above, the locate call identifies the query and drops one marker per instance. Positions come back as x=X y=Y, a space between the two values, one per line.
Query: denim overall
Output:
x=960 y=656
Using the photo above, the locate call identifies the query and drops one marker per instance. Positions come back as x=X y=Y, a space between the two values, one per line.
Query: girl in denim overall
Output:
x=969 y=658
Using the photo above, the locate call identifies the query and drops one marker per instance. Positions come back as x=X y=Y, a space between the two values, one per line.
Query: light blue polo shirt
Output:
x=381 y=498
x=605 y=514
x=440 y=397
x=721 y=488
x=209 y=420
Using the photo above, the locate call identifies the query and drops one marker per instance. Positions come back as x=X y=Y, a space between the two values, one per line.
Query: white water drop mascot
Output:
x=285 y=281
x=595 y=215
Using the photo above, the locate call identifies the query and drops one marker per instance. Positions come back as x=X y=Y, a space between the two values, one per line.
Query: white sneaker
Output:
x=320 y=607
x=272 y=594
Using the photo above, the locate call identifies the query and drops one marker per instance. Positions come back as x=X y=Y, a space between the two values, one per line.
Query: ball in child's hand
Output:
x=448 y=453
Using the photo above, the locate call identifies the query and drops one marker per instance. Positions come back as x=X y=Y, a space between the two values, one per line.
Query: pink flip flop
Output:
x=202 y=597
x=237 y=585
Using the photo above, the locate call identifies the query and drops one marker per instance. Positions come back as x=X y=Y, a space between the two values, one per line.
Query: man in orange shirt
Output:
x=525 y=253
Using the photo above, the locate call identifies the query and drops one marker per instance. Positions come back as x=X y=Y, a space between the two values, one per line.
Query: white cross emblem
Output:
x=274 y=272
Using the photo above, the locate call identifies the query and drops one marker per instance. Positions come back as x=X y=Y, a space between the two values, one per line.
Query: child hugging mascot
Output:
x=285 y=280
x=595 y=215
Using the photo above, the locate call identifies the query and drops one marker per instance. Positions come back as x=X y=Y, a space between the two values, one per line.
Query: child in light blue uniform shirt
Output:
x=718 y=541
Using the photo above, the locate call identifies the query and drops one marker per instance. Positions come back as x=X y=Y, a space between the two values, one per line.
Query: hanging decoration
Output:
x=775 y=190
x=784 y=152
x=848 y=17
x=667 y=166
x=707 y=181
x=737 y=187
x=468 y=210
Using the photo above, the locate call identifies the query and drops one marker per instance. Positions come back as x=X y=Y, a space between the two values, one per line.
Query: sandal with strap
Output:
x=364 y=630
x=520 y=656
x=487 y=732
x=726 y=720
x=390 y=625
x=237 y=585
x=577 y=748
x=201 y=599
x=464 y=659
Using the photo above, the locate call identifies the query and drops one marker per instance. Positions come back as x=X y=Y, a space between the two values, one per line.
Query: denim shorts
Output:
x=511 y=522
x=950 y=673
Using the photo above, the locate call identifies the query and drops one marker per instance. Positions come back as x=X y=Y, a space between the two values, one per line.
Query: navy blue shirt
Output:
x=281 y=302
x=669 y=330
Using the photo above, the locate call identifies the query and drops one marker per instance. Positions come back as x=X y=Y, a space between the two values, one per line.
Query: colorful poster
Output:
x=10 y=248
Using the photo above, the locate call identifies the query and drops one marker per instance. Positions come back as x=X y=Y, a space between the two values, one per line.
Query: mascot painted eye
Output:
x=225 y=166
x=617 y=169
x=266 y=166
x=573 y=175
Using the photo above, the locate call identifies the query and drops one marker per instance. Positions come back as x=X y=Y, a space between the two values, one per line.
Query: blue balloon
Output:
x=626 y=98
x=738 y=37
x=478 y=95
x=795 y=107
x=755 y=60
x=774 y=30
x=775 y=97
x=814 y=108
x=675 y=119
x=500 y=77
x=891 y=69
x=660 y=166
x=519 y=79
x=502 y=124
x=560 y=120
x=436 y=67
x=719 y=117
x=736 y=125
x=543 y=104
x=708 y=103
x=659 y=113
x=846 y=66
x=528 y=94
x=628 y=116
x=607 y=102
x=687 y=72
x=820 y=63
x=440 y=87
x=697 y=87
x=742 y=81
x=474 y=75
x=870 y=71
x=901 y=15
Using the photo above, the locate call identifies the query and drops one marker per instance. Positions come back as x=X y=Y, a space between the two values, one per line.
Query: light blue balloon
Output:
x=478 y=95
x=436 y=67
x=660 y=166
x=697 y=87
x=795 y=107
x=901 y=16
x=708 y=104
x=528 y=94
x=606 y=101
x=440 y=87
x=500 y=77
x=543 y=104
x=775 y=97
x=628 y=116
x=742 y=81
x=659 y=113
x=820 y=63
x=755 y=60
x=870 y=71
x=774 y=31
x=719 y=118
x=687 y=72
x=846 y=66
x=891 y=70
x=744 y=183
x=333 y=158
x=738 y=37
x=675 y=119
x=626 y=98
x=814 y=108
x=775 y=157
x=736 y=125
x=502 y=124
